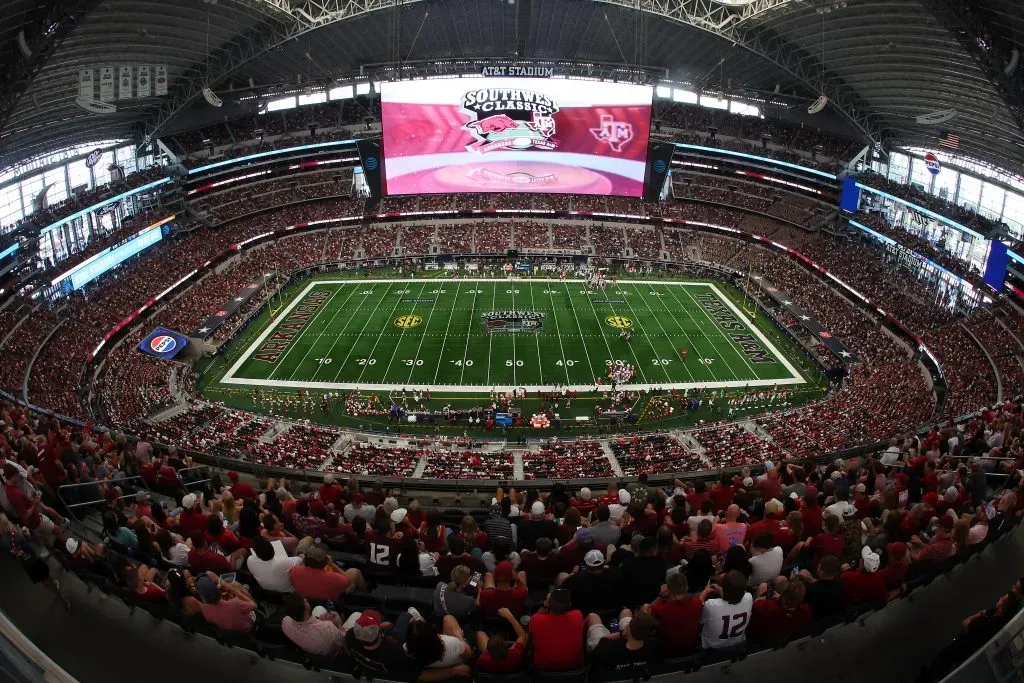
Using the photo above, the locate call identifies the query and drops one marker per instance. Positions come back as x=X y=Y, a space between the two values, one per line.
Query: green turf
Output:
x=350 y=338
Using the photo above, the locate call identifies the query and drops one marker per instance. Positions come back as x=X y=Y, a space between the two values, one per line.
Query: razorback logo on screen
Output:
x=509 y=119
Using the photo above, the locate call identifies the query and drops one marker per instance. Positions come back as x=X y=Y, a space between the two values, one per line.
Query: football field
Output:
x=474 y=335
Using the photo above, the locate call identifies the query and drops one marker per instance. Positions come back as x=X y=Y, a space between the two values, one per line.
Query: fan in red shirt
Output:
x=829 y=542
x=241 y=490
x=770 y=524
x=770 y=487
x=698 y=495
x=895 y=571
x=612 y=497
x=721 y=493
x=497 y=655
x=940 y=549
x=331 y=493
x=191 y=518
x=202 y=559
x=812 y=513
x=776 y=619
x=557 y=634
x=220 y=535
x=585 y=503
x=504 y=588
x=864 y=584
x=678 y=615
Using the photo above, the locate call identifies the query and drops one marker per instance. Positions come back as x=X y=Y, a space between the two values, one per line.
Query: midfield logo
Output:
x=514 y=321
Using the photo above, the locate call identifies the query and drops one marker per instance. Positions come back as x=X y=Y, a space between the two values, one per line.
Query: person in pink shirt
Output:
x=732 y=531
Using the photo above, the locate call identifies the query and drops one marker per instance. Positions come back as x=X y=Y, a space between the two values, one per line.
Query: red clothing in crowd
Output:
x=771 y=621
x=860 y=586
x=678 y=623
x=557 y=640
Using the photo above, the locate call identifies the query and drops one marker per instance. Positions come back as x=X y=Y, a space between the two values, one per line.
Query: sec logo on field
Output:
x=163 y=344
x=619 y=322
x=408 y=321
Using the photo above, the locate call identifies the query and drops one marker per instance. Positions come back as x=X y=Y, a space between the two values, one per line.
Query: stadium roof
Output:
x=881 y=63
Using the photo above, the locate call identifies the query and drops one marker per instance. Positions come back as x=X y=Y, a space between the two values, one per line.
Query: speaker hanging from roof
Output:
x=817 y=105
x=936 y=117
x=211 y=98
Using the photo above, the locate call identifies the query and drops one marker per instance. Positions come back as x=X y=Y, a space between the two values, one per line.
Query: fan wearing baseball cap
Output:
x=240 y=489
x=376 y=645
x=594 y=587
x=864 y=584
x=503 y=588
x=192 y=517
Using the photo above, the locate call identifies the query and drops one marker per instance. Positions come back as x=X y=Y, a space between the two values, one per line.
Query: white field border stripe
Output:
x=266 y=333
x=795 y=374
x=230 y=378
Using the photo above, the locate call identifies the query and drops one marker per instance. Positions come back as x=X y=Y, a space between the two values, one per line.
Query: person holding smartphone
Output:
x=455 y=597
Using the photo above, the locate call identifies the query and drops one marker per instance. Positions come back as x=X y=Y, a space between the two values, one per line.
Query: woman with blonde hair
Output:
x=230 y=509
x=472 y=536
x=960 y=530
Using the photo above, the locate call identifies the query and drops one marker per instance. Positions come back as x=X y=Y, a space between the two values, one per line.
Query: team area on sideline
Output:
x=475 y=335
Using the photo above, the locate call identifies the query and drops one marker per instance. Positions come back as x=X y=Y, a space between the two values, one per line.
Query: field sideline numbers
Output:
x=366 y=361
x=323 y=361
x=460 y=363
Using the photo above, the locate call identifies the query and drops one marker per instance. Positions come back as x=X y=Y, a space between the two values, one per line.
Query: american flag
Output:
x=950 y=140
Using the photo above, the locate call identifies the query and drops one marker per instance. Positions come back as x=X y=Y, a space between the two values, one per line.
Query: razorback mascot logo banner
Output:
x=509 y=118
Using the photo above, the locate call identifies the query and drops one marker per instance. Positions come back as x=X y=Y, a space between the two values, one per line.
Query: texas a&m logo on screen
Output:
x=509 y=119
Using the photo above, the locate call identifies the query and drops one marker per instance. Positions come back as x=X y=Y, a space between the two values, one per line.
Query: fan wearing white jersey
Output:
x=725 y=619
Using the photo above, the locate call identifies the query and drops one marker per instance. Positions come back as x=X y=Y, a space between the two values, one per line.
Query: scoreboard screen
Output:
x=515 y=135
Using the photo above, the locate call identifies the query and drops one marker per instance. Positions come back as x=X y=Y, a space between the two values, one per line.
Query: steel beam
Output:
x=739 y=24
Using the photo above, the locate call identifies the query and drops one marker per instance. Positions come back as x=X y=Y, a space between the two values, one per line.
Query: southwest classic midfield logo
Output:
x=509 y=118
x=615 y=133
x=163 y=344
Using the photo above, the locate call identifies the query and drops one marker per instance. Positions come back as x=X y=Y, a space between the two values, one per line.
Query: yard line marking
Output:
x=657 y=356
x=440 y=355
x=361 y=331
x=714 y=325
x=513 y=290
x=586 y=351
x=490 y=336
x=558 y=334
x=465 y=350
x=337 y=337
x=612 y=359
x=401 y=334
x=536 y=338
x=663 y=330
x=700 y=331
x=423 y=335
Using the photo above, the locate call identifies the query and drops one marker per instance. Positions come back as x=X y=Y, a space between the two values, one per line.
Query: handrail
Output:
x=124 y=483
x=31 y=662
